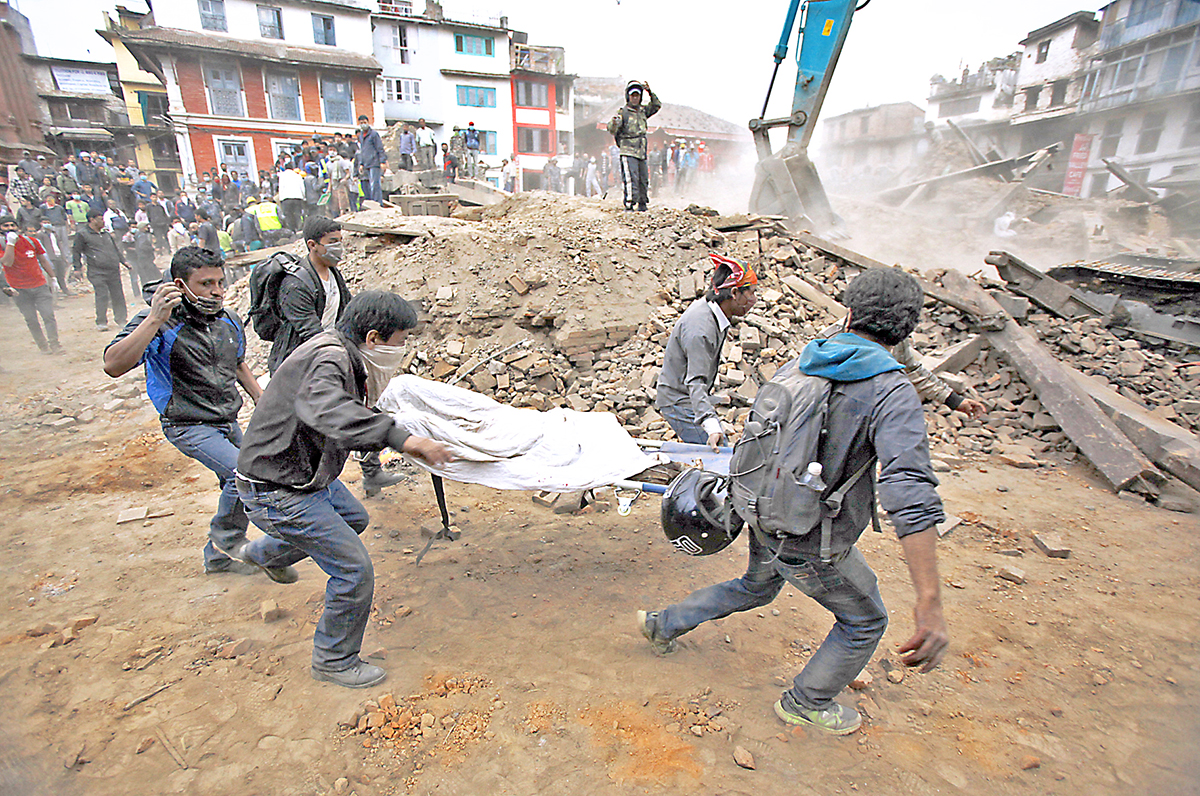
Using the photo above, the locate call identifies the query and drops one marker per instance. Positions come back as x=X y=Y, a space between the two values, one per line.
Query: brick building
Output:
x=870 y=148
x=247 y=81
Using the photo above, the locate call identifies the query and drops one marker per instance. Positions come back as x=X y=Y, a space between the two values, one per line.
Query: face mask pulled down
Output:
x=204 y=306
x=382 y=362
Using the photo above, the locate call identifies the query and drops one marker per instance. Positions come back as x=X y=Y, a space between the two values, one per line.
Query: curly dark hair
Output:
x=885 y=303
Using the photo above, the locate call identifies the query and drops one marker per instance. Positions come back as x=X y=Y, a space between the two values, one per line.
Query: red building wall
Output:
x=310 y=96
x=252 y=85
x=360 y=85
x=191 y=84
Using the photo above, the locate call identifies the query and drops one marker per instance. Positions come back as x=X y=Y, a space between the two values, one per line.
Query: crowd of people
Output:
x=107 y=221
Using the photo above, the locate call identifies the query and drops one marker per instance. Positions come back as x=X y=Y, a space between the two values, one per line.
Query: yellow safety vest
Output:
x=268 y=216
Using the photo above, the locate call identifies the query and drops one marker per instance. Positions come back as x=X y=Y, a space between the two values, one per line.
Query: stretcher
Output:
x=627 y=490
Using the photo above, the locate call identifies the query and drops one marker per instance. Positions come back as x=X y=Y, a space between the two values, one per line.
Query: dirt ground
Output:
x=519 y=643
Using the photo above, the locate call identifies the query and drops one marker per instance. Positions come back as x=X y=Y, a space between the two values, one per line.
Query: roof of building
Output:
x=678 y=120
x=1079 y=17
x=859 y=111
x=159 y=38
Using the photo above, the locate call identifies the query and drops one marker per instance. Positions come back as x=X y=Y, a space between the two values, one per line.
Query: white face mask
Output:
x=382 y=362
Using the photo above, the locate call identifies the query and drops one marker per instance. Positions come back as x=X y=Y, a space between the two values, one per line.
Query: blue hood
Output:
x=846 y=357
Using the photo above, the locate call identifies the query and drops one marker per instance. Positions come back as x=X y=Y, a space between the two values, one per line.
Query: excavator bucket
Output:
x=787 y=184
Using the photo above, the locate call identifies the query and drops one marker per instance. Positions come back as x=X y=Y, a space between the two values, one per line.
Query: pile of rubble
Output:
x=557 y=301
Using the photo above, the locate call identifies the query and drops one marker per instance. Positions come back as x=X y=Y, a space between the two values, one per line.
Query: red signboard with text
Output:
x=1081 y=150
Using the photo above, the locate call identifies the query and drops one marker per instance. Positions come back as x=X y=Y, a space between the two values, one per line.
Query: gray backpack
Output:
x=783 y=434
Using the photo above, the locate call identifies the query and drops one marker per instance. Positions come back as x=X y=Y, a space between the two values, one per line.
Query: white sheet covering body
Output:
x=506 y=448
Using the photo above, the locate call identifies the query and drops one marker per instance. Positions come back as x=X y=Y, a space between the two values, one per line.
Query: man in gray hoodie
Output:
x=874 y=414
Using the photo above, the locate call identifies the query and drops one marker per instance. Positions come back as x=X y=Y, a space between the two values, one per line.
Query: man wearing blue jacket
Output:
x=874 y=414
x=194 y=352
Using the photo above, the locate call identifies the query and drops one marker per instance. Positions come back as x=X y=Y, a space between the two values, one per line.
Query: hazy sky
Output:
x=715 y=57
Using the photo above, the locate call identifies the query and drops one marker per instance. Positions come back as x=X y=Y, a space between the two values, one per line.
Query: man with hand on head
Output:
x=693 y=353
x=26 y=276
x=317 y=408
x=193 y=350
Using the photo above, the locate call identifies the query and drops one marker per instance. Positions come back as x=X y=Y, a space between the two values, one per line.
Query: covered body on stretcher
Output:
x=503 y=447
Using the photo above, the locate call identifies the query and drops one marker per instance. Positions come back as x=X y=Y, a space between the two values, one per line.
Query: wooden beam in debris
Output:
x=977 y=157
x=368 y=229
x=1171 y=447
x=1141 y=192
x=1001 y=167
x=1045 y=291
x=246 y=259
x=1119 y=462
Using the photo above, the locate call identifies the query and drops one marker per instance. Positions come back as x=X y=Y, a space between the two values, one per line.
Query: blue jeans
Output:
x=685 y=426
x=846 y=587
x=324 y=526
x=216 y=447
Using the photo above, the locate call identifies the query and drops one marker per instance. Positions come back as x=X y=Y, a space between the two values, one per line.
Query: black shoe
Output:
x=277 y=574
x=377 y=481
x=231 y=566
x=360 y=675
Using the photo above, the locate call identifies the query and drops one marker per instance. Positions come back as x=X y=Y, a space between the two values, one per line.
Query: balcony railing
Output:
x=546 y=60
x=402 y=8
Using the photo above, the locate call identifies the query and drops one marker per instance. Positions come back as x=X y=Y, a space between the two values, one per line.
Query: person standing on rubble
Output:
x=629 y=128
x=426 y=146
x=193 y=350
x=371 y=159
x=874 y=415
x=693 y=351
x=315 y=410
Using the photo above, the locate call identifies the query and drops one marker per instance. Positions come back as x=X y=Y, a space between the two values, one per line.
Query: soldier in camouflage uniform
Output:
x=629 y=127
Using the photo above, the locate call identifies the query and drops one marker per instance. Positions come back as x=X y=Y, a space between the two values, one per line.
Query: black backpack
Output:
x=264 y=292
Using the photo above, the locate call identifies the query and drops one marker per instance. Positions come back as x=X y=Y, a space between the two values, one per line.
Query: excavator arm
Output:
x=786 y=182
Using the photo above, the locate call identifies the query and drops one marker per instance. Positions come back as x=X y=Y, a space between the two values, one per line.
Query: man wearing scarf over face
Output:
x=193 y=350
x=316 y=409
x=694 y=350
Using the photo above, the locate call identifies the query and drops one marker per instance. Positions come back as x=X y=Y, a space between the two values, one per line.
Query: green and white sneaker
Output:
x=836 y=719
x=647 y=622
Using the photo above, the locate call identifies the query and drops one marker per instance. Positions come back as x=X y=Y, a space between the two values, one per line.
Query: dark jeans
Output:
x=216 y=447
x=635 y=179
x=371 y=184
x=35 y=301
x=293 y=213
x=684 y=426
x=324 y=526
x=847 y=588
x=109 y=291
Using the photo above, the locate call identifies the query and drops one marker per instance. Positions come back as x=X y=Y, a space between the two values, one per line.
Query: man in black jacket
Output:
x=312 y=301
x=315 y=410
x=104 y=263
x=194 y=353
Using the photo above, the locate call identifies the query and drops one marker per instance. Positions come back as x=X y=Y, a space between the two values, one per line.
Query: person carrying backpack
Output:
x=694 y=350
x=305 y=299
x=871 y=414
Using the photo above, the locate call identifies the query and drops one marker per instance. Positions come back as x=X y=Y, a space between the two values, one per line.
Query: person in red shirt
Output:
x=26 y=268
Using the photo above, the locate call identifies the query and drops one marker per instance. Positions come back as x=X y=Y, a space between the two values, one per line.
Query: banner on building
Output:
x=81 y=81
x=1081 y=152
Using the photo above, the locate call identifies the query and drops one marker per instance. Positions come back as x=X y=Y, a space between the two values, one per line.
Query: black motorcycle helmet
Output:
x=694 y=516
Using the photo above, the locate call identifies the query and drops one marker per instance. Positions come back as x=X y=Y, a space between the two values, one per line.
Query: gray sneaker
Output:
x=836 y=719
x=360 y=675
x=647 y=623
x=277 y=574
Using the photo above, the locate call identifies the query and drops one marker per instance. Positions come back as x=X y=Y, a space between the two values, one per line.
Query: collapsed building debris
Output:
x=555 y=301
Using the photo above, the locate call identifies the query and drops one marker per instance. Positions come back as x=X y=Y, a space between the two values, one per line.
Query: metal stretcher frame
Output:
x=682 y=452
